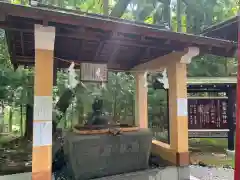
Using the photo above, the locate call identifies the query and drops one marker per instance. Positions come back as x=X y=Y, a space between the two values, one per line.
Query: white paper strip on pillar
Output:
x=43 y=106
x=44 y=37
x=182 y=107
x=94 y=72
x=42 y=133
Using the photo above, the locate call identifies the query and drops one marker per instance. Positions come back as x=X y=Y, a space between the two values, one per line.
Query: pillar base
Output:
x=182 y=158
x=169 y=155
x=42 y=175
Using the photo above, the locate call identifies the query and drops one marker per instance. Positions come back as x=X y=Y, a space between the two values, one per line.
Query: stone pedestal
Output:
x=98 y=155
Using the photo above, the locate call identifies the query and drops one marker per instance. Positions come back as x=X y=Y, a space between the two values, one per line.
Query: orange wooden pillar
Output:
x=141 y=101
x=42 y=124
x=178 y=108
x=177 y=76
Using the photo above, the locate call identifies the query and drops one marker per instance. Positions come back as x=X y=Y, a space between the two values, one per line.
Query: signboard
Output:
x=94 y=72
x=207 y=117
x=207 y=113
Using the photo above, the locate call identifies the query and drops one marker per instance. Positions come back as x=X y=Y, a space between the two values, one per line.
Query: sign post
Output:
x=237 y=154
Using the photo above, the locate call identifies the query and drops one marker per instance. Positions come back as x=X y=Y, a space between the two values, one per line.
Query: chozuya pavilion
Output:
x=40 y=37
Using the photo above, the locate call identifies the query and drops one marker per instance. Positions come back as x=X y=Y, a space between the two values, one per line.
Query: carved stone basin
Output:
x=93 y=153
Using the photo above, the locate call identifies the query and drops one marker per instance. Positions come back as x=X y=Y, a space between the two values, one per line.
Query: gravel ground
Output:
x=197 y=173
x=206 y=173
x=201 y=173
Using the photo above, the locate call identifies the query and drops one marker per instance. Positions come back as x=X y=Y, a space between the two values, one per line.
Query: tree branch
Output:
x=119 y=8
x=164 y=1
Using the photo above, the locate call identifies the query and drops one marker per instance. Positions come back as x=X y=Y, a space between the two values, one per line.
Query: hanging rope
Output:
x=127 y=71
x=74 y=82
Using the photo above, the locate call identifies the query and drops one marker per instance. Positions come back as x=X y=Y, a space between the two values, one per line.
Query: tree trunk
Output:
x=226 y=67
x=105 y=7
x=167 y=13
x=179 y=16
x=125 y=111
x=133 y=106
x=115 y=100
x=80 y=111
x=65 y=122
x=120 y=8
x=10 y=120
x=71 y=125
x=2 y=118
x=21 y=119
x=29 y=122
x=189 y=24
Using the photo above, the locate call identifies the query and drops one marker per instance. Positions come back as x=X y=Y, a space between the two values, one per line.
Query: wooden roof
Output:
x=225 y=30
x=211 y=80
x=95 y=38
x=207 y=84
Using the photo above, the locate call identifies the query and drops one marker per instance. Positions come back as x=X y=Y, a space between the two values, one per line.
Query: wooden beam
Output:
x=160 y=62
x=80 y=46
x=88 y=36
x=113 y=56
x=137 y=44
x=22 y=43
x=144 y=44
x=2 y=17
x=99 y=49
x=68 y=35
x=143 y=52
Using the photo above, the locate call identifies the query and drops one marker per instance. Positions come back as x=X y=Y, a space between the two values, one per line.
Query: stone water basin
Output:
x=98 y=153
